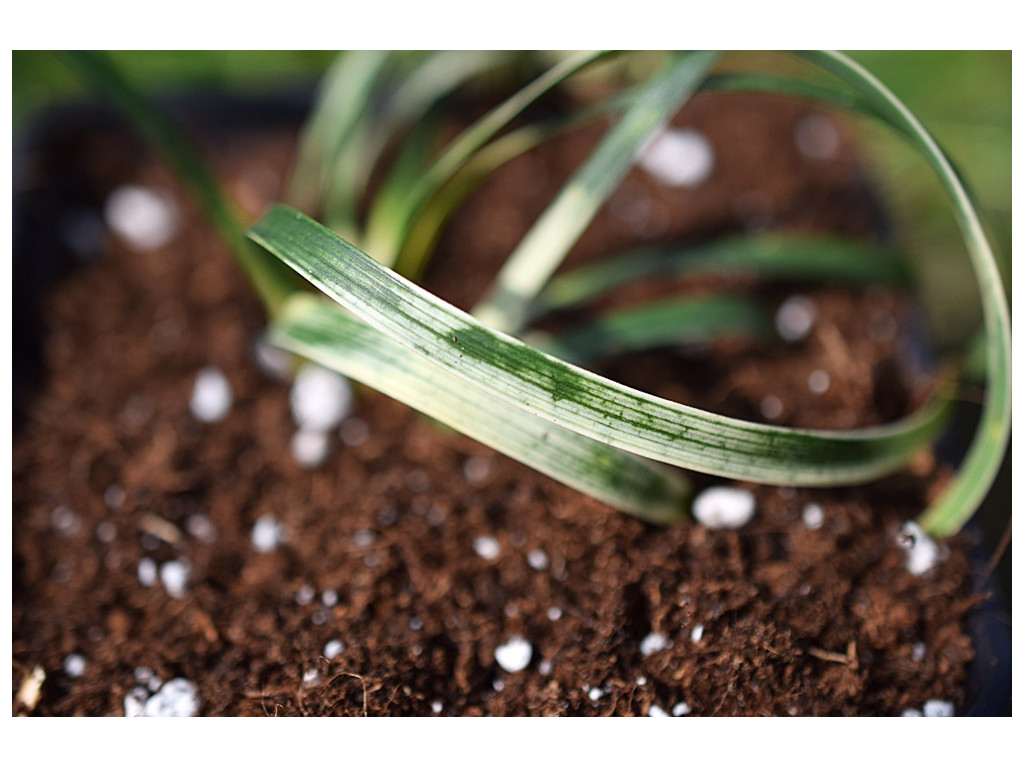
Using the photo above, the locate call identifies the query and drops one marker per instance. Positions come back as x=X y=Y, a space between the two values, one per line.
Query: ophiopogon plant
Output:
x=537 y=402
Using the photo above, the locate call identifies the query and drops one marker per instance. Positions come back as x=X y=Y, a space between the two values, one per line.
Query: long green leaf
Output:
x=271 y=282
x=430 y=224
x=390 y=199
x=978 y=470
x=339 y=121
x=544 y=247
x=407 y=102
x=661 y=323
x=776 y=255
x=579 y=400
x=324 y=333
x=384 y=237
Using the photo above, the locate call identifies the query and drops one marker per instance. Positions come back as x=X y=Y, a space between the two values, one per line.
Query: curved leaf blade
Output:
x=577 y=399
x=783 y=256
x=339 y=121
x=755 y=81
x=978 y=470
x=324 y=333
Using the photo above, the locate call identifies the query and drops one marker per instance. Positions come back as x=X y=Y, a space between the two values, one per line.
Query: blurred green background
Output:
x=964 y=99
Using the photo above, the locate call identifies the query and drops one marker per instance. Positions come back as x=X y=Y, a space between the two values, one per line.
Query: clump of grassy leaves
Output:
x=473 y=371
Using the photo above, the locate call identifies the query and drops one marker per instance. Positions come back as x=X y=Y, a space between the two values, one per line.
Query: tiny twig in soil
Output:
x=266 y=694
x=163 y=529
x=848 y=659
x=360 y=678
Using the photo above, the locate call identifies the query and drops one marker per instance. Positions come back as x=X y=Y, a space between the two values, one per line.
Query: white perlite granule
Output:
x=144 y=218
x=135 y=702
x=320 y=398
x=201 y=527
x=922 y=551
x=477 y=469
x=653 y=643
x=771 y=407
x=936 y=708
x=656 y=711
x=65 y=521
x=211 y=395
x=266 y=534
x=114 y=496
x=106 y=532
x=176 y=698
x=816 y=137
x=74 y=665
x=310 y=447
x=515 y=655
x=678 y=157
x=538 y=559
x=487 y=547
x=795 y=318
x=363 y=538
x=680 y=709
x=723 y=506
x=813 y=516
x=333 y=649
x=147 y=572
x=818 y=382
x=174 y=575
x=697 y=634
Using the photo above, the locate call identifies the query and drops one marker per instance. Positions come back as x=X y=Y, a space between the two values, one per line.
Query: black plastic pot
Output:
x=989 y=675
x=43 y=252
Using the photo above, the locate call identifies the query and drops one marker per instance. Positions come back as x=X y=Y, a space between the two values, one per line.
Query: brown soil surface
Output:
x=794 y=620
